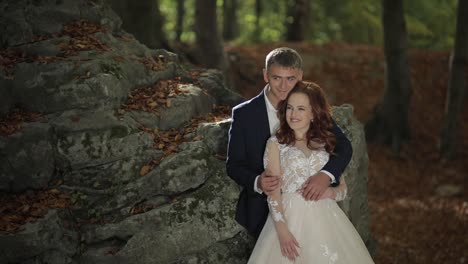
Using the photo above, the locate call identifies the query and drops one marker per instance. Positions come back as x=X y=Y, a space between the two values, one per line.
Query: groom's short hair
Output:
x=285 y=57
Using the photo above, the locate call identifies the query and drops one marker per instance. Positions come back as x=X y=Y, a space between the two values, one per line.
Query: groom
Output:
x=253 y=122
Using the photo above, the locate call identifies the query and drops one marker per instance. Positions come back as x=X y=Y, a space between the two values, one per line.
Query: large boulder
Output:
x=45 y=241
x=22 y=20
x=86 y=139
x=193 y=222
x=191 y=103
x=355 y=204
x=6 y=101
x=213 y=81
x=27 y=159
x=131 y=202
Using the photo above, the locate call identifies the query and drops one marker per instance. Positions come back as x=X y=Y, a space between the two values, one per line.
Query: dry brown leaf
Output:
x=144 y=170
x=152 y=104
x=119 y=58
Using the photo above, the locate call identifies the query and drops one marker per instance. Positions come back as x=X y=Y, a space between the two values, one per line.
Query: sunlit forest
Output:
x=417 y=198
x=430 y=24
x=91 y=119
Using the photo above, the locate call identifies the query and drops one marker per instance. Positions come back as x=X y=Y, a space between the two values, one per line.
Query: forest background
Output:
x=430 y=24
x=402 y=65
x=417 y=191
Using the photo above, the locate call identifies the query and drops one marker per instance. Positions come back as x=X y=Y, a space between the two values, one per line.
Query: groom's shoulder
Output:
x=249 y=105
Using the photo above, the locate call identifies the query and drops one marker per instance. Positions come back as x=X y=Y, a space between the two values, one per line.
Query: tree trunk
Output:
x=389 y=124
x=298 y=20
x=258 y=15
x=209 y=44
x=179 y=27
x=143 y=19
x=230 y=23
x=456 y=85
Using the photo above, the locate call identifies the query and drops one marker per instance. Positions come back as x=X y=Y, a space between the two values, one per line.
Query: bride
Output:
x=300 y=231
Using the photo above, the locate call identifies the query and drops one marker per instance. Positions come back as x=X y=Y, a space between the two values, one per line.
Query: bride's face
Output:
x=299 y=113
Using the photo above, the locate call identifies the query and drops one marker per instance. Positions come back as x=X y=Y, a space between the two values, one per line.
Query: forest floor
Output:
x=418 y=203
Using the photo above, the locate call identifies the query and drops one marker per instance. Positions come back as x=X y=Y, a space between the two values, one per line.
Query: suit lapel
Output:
x=261 y=115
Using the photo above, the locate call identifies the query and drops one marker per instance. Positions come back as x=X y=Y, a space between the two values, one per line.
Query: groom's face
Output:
x=281 y=80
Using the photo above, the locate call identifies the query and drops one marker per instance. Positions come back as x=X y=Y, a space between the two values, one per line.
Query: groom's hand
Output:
x=315 y=186
x=268 y=183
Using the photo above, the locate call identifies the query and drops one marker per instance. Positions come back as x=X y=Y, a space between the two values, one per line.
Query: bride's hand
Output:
x=329 y=193
x=289 y=245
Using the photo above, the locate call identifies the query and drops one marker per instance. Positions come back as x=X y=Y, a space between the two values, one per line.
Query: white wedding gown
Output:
x=324 y=232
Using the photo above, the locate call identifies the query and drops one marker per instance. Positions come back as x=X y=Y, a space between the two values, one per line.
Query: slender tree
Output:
x=258 y=15
x=298 y=19
x=230 y=22
x=179 y=27
x=210 y=51
x=457 y=83
x=389 y=123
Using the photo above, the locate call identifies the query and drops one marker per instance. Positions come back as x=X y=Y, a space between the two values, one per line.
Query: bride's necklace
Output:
x=300 y=139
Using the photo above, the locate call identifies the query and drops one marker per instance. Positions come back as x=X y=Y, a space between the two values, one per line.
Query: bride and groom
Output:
x=288 y=154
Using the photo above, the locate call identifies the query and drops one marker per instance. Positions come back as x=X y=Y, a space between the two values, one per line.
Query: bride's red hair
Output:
x=320 y=130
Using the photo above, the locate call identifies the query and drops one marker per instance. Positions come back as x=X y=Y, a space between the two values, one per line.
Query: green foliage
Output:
x=271 y=28
x=430 y=24
x=355 y=21
x=417 y=28
x=438 y=16
x=169 y=11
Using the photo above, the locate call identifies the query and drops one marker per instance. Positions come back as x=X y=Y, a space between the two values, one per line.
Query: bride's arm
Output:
x=337 y=193
x=287 y=241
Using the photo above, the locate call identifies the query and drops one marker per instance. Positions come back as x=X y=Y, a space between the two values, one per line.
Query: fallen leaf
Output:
x=144 y=170
x=153 y=104
x=119 y=58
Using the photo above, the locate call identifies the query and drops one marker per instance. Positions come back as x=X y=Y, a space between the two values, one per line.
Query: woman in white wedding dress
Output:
x=300 y=231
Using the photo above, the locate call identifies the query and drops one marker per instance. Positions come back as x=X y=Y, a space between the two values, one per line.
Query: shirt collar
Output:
x=269 y=106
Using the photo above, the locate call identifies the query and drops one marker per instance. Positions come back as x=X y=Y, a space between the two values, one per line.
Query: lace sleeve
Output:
x=340 y=191
x=276 y=209
x=271 y=160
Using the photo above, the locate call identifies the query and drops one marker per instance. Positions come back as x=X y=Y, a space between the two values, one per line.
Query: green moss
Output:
x=112 y=68
x=66 y=145
x=193 y=207
x=118 y=132
x=87 y=140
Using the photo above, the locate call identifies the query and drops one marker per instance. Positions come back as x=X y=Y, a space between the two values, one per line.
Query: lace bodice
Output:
x=296 y=167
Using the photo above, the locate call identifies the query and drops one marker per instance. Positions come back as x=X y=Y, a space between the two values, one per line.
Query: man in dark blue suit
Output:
x=253 y=122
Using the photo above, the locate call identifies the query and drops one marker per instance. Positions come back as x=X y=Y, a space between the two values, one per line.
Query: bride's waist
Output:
x=297 y=195
x=284 y=192
x=291 y=194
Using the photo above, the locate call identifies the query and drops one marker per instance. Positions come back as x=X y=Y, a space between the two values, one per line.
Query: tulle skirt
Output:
x=324 y=233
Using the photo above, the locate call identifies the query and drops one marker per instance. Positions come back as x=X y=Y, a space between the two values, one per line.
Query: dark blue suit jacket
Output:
x=248 y=135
